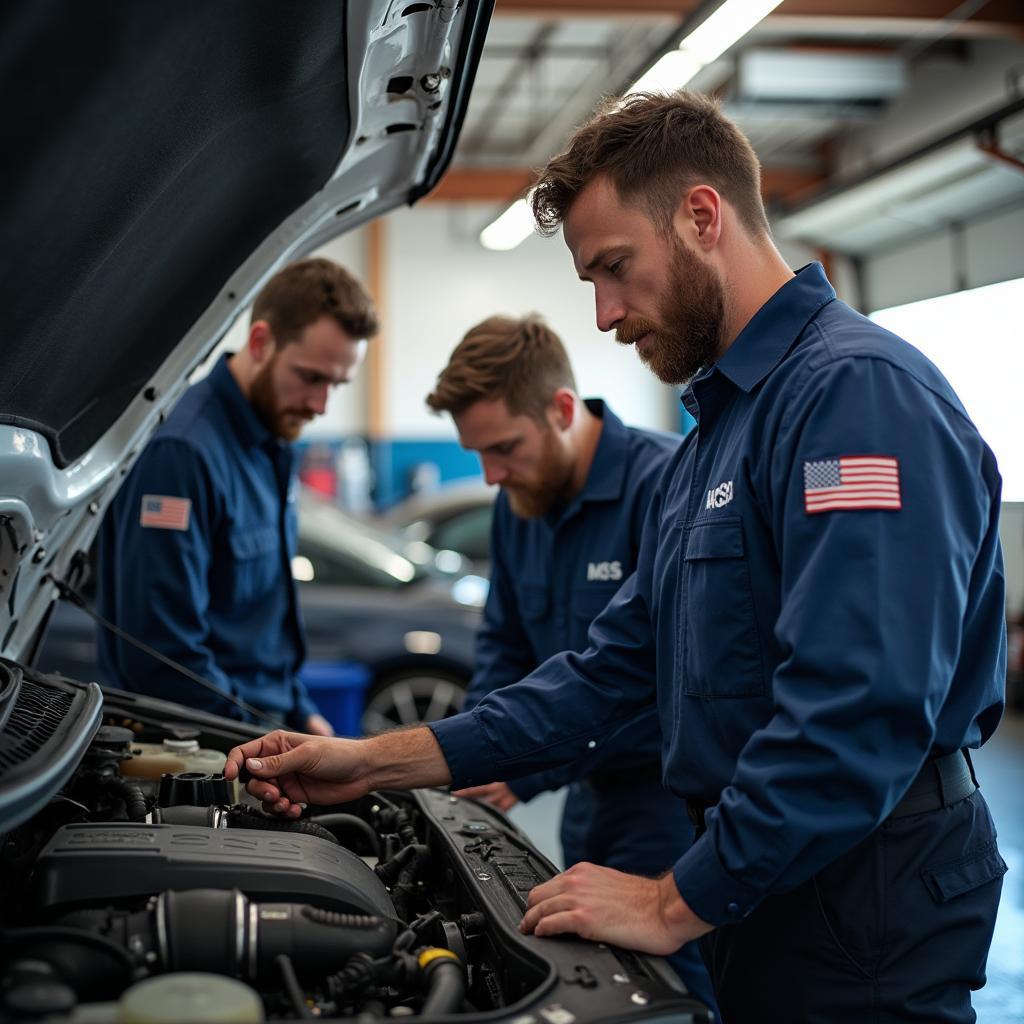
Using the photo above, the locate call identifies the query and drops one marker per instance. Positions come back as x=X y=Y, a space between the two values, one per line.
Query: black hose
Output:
x=292 y=987
x=446 y=987
x=243 y=817
x=334 y=822
x=134 y=801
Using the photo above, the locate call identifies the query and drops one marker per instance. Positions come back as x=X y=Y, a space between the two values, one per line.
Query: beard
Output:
x=276 y=419
x=552 y=484
x=690 y=315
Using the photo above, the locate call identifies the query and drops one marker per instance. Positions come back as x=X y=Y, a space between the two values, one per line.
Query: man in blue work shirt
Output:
x=195 y=552
x=575 y=486
x=818 y=606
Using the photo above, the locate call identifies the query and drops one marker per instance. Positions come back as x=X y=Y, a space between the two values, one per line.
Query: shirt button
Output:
x=592 y=744
x=734 y=909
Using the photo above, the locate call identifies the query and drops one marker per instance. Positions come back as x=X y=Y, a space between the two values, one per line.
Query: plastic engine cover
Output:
x=101 y=862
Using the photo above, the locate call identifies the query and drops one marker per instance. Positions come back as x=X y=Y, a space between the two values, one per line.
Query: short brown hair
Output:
x=653 y=147
x=303 y=292
x=522 y=361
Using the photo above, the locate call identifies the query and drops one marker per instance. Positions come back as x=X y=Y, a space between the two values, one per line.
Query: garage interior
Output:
x=891 y=136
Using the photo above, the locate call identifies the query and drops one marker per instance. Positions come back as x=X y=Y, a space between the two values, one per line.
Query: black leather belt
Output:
x=942 y=782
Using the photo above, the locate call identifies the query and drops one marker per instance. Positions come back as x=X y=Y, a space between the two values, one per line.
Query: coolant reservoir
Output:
x=153 y=760
x=190 y=996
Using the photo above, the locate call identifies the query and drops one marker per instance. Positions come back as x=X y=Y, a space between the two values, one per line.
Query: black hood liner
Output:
x=151 y=147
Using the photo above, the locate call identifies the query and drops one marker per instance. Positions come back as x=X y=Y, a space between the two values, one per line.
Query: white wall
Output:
x=442 y=282
x=1011 y=531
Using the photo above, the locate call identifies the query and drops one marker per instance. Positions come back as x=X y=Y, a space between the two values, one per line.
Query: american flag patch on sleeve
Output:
x=852 y=482
x=165 y=513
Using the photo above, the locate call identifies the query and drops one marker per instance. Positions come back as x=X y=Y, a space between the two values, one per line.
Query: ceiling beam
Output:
x=503 y=185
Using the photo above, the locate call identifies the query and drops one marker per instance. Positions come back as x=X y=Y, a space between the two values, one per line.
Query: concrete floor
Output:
x=1000 y=768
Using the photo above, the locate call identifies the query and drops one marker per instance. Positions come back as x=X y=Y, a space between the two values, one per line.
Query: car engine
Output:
x=146 y=887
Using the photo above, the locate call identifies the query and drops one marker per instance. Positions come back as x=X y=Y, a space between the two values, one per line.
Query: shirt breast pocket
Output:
x=718 y=646
x=256 y=568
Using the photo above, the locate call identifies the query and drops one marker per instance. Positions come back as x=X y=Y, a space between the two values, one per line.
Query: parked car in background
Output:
x=456 y=518
x=405 y=611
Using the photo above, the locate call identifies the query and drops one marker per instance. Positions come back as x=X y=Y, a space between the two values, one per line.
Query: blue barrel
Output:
x=338 y=689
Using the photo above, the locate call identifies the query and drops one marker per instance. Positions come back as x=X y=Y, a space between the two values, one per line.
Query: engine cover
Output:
x=102 y=863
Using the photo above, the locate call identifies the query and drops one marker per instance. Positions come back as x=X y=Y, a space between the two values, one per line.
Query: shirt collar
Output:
x=249 y=427
x=770 y=333
x=608 y=468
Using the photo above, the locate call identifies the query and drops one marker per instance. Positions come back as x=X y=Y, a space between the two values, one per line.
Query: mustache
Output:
x=632 y=330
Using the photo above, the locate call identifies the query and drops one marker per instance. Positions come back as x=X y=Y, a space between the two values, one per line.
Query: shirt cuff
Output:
x=710 y=891
x=471 y=758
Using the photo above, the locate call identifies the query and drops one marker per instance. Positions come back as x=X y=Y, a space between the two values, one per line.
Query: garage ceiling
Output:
x=810 y=74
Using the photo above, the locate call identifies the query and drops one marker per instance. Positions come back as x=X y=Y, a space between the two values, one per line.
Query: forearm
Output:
x=406 y=759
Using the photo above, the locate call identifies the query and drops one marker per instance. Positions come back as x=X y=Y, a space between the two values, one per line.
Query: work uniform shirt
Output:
x=195 y=560
x=552 y=576
x=819 y=602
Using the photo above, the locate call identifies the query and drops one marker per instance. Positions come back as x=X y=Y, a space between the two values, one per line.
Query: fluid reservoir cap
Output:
x=181 y=746
x=173 y=998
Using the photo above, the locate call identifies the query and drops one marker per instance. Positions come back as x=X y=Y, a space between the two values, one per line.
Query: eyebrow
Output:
x=601 y=255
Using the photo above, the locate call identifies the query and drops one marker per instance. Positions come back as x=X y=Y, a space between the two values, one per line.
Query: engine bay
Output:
x=146 y=887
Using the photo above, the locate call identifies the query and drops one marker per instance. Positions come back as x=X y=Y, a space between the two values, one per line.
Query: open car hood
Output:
x=165 y=161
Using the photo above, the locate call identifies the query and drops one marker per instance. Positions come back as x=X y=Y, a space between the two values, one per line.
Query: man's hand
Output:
x=497 y=794
x=317 y=725
x=290 y=769
x=605 y=905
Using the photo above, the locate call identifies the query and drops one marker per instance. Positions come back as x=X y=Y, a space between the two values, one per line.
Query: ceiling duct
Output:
x=786 y=74
x=948 y=181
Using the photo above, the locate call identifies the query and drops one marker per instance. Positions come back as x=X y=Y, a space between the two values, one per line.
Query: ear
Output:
x=698 y=218
x=261 y=344
x=562 y=410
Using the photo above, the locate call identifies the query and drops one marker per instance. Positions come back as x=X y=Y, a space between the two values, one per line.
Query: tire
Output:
x=411 y=696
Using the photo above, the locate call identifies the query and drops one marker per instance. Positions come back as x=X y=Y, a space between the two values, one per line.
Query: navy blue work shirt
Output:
x=195 y=560
x=552 y=576
x=814 y=630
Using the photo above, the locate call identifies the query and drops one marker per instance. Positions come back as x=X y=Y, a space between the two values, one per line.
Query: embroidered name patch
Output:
x=852 y=482
x=164 y=513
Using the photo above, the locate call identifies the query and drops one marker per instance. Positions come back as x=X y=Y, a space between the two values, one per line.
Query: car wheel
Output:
x=416 y=695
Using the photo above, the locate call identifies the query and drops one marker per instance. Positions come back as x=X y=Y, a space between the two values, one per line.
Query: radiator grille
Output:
x=38 y=714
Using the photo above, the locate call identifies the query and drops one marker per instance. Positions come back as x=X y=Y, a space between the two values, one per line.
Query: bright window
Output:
x=976 y=338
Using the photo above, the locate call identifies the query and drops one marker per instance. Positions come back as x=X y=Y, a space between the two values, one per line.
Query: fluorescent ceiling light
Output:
x=704 y=45
x=672 y=72
x=514 y=226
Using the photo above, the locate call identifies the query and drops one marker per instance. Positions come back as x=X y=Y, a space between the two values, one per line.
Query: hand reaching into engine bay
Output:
x=290 y=769
x=605 y=905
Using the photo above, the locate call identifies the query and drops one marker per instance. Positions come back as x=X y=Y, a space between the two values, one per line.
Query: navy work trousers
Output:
x=641 y=829
x=896 y=930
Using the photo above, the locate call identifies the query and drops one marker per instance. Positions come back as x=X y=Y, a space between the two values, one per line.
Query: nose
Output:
x=317 y=403
x=494 y=472
x=610 y=310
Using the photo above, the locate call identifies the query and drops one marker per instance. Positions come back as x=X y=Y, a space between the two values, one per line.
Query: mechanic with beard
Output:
x=818 y=605
x=575 y=486
x=196 y=549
